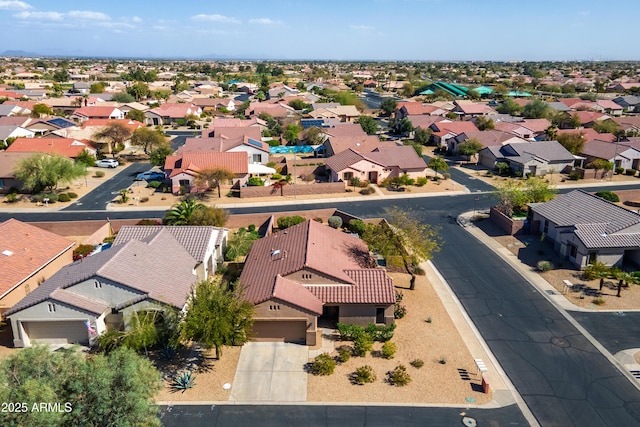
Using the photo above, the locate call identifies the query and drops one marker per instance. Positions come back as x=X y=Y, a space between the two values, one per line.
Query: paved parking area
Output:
x=271 y=372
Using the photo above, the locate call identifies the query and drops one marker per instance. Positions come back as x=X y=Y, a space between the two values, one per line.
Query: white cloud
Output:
x=215 y=18
x=361 y=27
x=14 y=5
x=136 y=19
x=264 y=21
x=89 y=15
x=584 y=12
x=45 y=16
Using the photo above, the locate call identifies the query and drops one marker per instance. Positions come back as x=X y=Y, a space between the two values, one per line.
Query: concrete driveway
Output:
x=271 y=372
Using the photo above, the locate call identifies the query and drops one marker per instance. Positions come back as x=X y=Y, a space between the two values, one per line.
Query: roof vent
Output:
x=276 y=252
x=7 y=252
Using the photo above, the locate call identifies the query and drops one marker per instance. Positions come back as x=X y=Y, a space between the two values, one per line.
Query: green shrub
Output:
x=608 y=195
x=154 y=184
x=82 y=251
x=630 y=172
x=276 y=177
x=362 y=344
x=575 y=175
x=446 y=175
x=421 y=181
x=323 y=364
x=545 y=266
x=388 y=350
x=349 y=332
x=363 y=375
x=619 y=171
x=380 y=332
x=64 y=197
x=12 y=198
x=271 y=165
x=399 y=311
x=395 y=262
x=368 y=190
x=255 y=181
x=288 y=221
x=144 y=200
x=598 y=301
x=52 y=197
x=98 y=174
x=344 y=354
x=354 y=182
x=356 y=226
x=72 y=195
x=335 y=222
x=399 y=376
x=251 y=228
x=417 y=363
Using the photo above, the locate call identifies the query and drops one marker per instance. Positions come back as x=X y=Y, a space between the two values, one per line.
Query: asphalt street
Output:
x=334 y=416
x=616 y=331
x=98 y=198
x=181 y=136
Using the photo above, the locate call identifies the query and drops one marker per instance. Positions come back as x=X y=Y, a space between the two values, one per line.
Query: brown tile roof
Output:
x=221 y=144
x=175 y=110
x=346 y=159
x=424 y=121
x=372 y=286
x=536 y=125
x=590 y=134
x=315 y=247
x=95 y=111
x=363 y=144
x=289 y=291
x=9 y=161
x=192 y=162
x=489 y=138
x=345 y=130
x=252 y=132
x=132 y=125
x=160 y=269
x=67 y=147
x=456 y=128
x=24 y=250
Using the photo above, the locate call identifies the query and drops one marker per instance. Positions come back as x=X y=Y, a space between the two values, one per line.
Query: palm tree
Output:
x=181 y=213
x=551 y=132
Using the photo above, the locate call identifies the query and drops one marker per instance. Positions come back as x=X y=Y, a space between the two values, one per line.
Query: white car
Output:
x=107 y=163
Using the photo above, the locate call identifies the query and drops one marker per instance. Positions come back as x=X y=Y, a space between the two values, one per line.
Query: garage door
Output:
x=280 y=330
x=70 y=332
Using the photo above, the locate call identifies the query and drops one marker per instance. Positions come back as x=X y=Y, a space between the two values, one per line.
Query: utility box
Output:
x=485 y=385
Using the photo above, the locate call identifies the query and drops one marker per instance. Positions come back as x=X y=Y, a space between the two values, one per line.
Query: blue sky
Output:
x=330 y=29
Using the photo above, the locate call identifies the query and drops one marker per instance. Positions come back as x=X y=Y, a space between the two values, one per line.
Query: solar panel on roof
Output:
x=61 y=123
x=255 y=143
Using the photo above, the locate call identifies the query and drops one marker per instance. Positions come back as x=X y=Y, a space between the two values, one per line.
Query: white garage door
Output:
x=70 y=332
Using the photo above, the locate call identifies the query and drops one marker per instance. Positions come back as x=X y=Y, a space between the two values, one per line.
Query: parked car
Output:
x=107 y=163
x=150 y=176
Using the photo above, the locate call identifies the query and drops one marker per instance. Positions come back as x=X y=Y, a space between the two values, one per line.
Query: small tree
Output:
x=291 y=133
x=159 y=155
x=213 y=178
x=573 y=142
x=438 y=164
x=209 y=215
x=86 y=158
x=368 y=124
x=147 y=138
x=388 y=106
x=114 y=135
x=422 y=136
x=470 y=147
x=217 y=317
x=503 y=168
x=335 y=222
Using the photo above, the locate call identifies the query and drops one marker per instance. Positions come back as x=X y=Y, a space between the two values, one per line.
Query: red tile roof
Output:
x=24 y=250
x=192 y=162
x=455 y=128
x=132 y=125
x=176 y=110
x=363 y=144
x=67 y=147
x=590 y=134
x=335 y=256
x=95 y=111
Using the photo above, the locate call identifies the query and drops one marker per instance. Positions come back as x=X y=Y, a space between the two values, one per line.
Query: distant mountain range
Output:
x=18 y=53
x=23 y=53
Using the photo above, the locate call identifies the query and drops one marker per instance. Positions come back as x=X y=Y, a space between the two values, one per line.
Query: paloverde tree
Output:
x=209 y=215
x=148 y=139
x=536 y=109
x=388 y=106
x=217 y=317
x=43 y=172
x=470 y=147
x=114 y=135
x=573 y=142
x=213 y=178
x=101 y=390
x=403 y=235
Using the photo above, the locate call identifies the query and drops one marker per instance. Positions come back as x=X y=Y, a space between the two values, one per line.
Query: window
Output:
x=380 y=315
x=257 y=158
x=573 y=251
x=52 y=307
x=546 y=226
x=347 y=176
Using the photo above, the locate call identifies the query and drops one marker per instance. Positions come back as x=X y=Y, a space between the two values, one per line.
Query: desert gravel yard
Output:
x=415 y=338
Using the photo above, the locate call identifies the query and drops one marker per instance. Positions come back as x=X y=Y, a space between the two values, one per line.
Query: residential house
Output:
x=28 y=256
x=589 y=134
x=8 y=110
x=629 y=103
x=628 y=124
x=125 y=108
x=624 y=154
x=43 y=127
x=170 y=113
x=182 y=168
x=363 y=144
x=8 y=163
x=487 y=138
x=257 y=151
x=68 y=147
x=82 y=87
x=412 y=108
x=276 y=110
x=444 y=130
x=377 y=165
x=279 y=90
x=228 y=122
x=345 y=113
x=308 y=273
x=102 y=291
x=424 y=121
x=525 y=129
x=206 y=244
x=609 y=107
x=589 y=118
x=7 y=132
x=215 y=104
x=92 y=112
x=534 y=159
x=467 y=110
x=586 y=228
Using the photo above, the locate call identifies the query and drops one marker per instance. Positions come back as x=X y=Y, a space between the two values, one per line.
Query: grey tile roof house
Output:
x=86 y=297
x=585 y=228
x=537 y=158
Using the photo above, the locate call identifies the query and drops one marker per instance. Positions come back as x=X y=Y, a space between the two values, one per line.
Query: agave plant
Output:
x=183 y=381
x=168 y=352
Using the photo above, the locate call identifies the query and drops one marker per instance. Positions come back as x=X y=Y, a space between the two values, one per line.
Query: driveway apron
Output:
x=271 y=372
